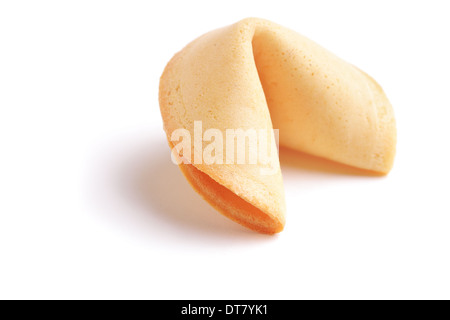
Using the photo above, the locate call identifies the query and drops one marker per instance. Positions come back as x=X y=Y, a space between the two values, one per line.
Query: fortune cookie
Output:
x=258 y=75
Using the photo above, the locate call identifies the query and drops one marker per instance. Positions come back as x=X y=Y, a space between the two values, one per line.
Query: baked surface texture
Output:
x=256 y=74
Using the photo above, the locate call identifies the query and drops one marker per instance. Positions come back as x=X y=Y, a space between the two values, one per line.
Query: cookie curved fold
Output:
x=258 y=75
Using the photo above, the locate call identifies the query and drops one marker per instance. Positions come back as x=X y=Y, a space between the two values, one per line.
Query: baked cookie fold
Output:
x=257 y=75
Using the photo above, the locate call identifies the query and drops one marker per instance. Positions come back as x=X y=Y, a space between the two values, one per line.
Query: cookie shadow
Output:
x=157 y=185
x=148 y=193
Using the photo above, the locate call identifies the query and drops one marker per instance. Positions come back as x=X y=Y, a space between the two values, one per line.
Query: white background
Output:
x=92 y=207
